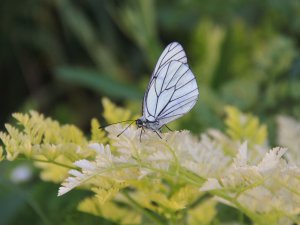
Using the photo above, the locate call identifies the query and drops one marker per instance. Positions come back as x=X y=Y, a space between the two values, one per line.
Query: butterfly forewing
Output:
x=171 y=93
x=173 y=51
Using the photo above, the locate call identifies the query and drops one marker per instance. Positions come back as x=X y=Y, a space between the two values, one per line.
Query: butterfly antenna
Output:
x=125 y=129
x=101 y=127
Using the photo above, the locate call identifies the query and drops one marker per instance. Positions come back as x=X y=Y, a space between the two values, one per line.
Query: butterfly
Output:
x=171 y=92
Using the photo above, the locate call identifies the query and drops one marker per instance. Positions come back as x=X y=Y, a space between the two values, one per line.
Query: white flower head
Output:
x=21 y=173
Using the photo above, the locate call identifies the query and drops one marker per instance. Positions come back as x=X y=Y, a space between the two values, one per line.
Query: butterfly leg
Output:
x=158 y=134
x=168 y=128
x=142 y=130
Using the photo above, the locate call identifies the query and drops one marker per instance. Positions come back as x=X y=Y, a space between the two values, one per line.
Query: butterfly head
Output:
x=139 y=123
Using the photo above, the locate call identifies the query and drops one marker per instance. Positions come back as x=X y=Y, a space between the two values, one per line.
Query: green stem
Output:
x=48 y=161
x=38 y=210
x=251 y=186
x=140 y=209
x=294 y=191
x=192 y=177
x=183 y=175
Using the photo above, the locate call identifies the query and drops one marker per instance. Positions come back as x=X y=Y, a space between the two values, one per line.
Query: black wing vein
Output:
x=175 y=89
x=193 y=97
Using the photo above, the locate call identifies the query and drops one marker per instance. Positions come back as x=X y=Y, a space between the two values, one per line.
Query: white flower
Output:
x=271 y=160
x=268 y=178
x=205 y=157
x=289 y=136
x=241 y=158
x=272 y=182
x=21 y=173
x=89 y=169
x=211 y=184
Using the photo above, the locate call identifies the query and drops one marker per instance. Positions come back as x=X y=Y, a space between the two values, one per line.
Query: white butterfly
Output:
x=172 y=90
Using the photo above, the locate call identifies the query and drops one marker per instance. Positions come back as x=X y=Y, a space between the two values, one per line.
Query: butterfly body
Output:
x=144 y=123
x=172 y=90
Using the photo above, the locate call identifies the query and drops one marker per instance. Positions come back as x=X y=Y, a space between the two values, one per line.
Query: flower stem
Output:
x=48 y=161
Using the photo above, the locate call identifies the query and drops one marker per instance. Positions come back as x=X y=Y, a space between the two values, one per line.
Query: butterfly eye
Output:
x=139 y=123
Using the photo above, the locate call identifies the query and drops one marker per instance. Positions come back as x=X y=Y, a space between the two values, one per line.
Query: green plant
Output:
x=163 y=181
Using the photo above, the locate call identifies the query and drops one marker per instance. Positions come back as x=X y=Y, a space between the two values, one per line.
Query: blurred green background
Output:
x=60 y=57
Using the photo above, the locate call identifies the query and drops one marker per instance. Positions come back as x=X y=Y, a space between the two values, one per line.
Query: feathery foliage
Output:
x=178 y=179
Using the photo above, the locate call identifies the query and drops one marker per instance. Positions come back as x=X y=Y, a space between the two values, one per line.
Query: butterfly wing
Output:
x=172 y=92
x=174 y=51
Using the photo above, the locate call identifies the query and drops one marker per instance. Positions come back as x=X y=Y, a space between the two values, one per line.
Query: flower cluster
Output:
x=169 y=180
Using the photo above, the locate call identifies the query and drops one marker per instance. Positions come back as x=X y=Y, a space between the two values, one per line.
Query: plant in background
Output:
x=179 y=179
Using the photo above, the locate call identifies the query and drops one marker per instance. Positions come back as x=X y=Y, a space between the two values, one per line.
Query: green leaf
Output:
x=80 y=26
x=242 y=92
x=97 y=82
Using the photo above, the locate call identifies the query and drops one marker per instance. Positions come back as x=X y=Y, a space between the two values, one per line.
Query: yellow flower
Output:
x=154 y=177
